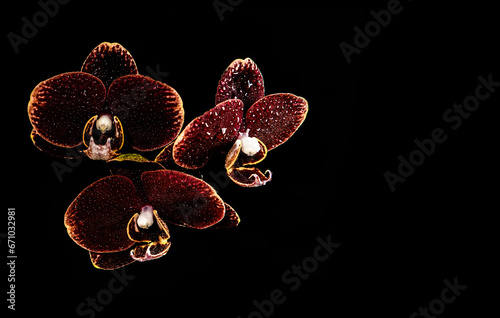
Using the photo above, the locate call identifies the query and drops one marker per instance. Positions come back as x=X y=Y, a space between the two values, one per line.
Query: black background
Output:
x=396 y=248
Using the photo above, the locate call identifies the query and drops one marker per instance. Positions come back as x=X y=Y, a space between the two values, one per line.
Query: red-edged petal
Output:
x=275 y=118
x=111 y=261
x=183 y=199
x=243 y=80
x=214 y=130
x=109 y=61
x=60 y=106
x=97 y=219
x=151 y=112
x=231 y=218
x=165 y=155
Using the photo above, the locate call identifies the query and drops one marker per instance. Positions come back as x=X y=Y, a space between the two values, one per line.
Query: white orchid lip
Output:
x=249 y=145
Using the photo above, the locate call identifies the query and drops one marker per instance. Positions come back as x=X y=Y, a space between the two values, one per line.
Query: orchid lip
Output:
x=147 y=257
x=99 y=152
x=257 y=179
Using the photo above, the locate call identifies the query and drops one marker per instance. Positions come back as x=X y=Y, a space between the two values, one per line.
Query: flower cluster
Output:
x=108 y=111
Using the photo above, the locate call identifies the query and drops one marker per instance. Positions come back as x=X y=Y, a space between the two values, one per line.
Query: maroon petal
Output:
x=111 y=260
x=275 y=118
x=231 y=218
x=132 y=166
x=183 y=199
x=109 y=61
x=165 y=155
x=242 y=80
x=214 y=130
x=97 y=219
x=151 y=112
x=60 y=106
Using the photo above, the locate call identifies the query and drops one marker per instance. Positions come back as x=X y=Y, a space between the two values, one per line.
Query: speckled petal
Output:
x=183 y=199
x=214 y=130
x=275 y=118
x=151 y=112
x=165 y=156
x=97 y=219
x=243 y=80
x=111 y=261
x=109 y=61
x=231 y=218
x=60 y=106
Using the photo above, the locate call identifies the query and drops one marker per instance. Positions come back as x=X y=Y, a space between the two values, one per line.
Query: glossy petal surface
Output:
x=242 y=80
x=275 y=118
x=183 y=199
x=60 y=106
x=111 y=261
x=214 y=130
x=151 y=112
x=97 y=219
x=109 y=61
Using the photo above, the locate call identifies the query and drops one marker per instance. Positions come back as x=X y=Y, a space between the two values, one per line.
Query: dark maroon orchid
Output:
x=102 y=106
x=121 y=219
x=244 y=122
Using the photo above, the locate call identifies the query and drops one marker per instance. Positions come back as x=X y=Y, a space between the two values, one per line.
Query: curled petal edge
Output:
x=246 y=176
x=249 y=177
x=151 y=246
